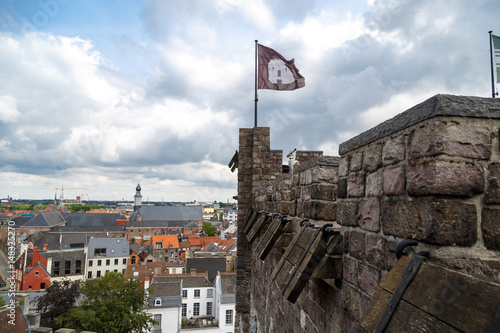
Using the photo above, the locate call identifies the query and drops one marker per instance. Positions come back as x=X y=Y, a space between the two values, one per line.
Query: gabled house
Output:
x=165 y=248
x=31 y=271
x=165 y=300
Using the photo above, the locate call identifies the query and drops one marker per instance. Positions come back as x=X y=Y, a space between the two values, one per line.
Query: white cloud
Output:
x=8 y=109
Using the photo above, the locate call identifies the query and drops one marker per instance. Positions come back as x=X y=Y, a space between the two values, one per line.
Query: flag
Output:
x=277 y=73
x=496 y=54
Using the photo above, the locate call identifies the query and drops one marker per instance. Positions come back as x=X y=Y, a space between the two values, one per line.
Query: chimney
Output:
x=24 y=301
x=193 y=272
x=45 y=247
x=33 y=320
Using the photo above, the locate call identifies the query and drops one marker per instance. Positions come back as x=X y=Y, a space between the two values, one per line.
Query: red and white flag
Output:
x=277 y=73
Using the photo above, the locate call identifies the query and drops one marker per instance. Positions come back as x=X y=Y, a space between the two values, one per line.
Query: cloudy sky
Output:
x=97 y=96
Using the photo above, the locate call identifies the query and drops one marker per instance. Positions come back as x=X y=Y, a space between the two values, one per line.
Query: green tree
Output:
x=39 y=207
x=209 y=229
x=112 y=304
x=58 y=298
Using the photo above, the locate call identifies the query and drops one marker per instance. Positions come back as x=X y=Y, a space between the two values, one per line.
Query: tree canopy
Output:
x=111 y=304
x=58 y=298
x=209 y=229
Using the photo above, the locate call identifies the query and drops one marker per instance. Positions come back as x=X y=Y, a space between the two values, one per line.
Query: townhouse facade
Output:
x=106 y=255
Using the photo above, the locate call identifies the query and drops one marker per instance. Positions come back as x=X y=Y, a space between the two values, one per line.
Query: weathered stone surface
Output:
x=374 y=183
x=375 y=250
x=356 y=162
x=356 y=185
x=342 y=190
x=492 y=195
x=353 y=302
x=441 y=222
x=369 y=215
x=394 y=150
x=324 y=174
x=357 y=245
x=347 y=213
x=490 y=223
x=446 y=137
x=344 y=166
x=487 y=267
x=324 y=191
x=350 y=270
x=323 y=210
x=394 y=181
x=372 y=157
x=369 y=278
x=445 y=179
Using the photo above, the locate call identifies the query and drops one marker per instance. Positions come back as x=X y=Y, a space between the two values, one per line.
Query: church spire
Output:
x=137 y=198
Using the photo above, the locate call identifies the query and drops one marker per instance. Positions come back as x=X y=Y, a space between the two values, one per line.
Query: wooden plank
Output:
x=374 y=310
x=250 y=221
x=444 y=293
x=267 y=236
x=288 y=250
x=284 y=240
x=408 y=318
x=330 y=267
x=257 y=227
x=391 y=280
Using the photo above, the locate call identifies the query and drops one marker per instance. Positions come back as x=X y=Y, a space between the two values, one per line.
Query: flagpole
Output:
x=491 y=58
x=256 y=78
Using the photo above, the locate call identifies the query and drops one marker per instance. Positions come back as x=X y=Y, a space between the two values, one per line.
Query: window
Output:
x=36 y=272
x=90 y=263
x=42 y=285
x=98 y=273
x=99 y=262
x=99 y=252
x=89 y=275
x=78 y=269
x=133 y=260
x=124 y=261
x=184 y=309
x=56 y=268
x=158 y=245
x=197 y=293
x=210 y=293
x=108 y=262
x=157 y=325
x=209 y=308
x=157 y=302
x=76 y=245
x=229 y=317
x=116 y=262
x=67 y=267
x=184 y=293
x=196 y=309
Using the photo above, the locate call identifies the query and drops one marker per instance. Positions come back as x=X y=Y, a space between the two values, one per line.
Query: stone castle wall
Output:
x=431 y=173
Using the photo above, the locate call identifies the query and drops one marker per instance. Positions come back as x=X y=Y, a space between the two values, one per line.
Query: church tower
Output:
x=137 y=198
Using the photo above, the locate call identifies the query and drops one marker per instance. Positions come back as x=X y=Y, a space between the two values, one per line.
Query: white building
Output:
x=106 y=255
x=165 y=305
x=225 y=286
x=231 y=215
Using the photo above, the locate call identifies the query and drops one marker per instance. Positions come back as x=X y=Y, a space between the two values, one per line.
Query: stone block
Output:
x=394 y=181
x=353 y=302
x=356 y=162
x=374 y=182
x=350 y=270
x=375 y=250
x=355 y=185
x=490 y=224
x=440 y=222
x=372 y=158
x=439 y=178
x=323 y=191
x=369 y=278
x=369 y=215
x=344 y=166
x=357 y=245
x=394 y=150
x=450 y=138
x=323 y=210
x=342 y=189
x=492 y=195
x=324 y=174
x=347 y=213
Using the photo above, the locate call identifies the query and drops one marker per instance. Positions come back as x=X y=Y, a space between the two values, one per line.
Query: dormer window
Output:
x=158 y=245
x=158 y=302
